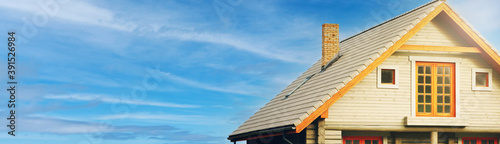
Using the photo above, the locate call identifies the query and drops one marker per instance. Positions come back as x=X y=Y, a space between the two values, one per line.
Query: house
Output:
x=424 y=77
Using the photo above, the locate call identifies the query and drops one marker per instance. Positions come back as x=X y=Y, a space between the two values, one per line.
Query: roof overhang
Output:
x=263 y=133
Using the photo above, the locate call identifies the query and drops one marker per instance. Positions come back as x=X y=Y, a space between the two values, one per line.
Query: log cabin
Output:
x=424 y=77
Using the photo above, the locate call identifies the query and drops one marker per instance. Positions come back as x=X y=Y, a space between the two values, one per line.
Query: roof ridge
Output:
x=408 y=12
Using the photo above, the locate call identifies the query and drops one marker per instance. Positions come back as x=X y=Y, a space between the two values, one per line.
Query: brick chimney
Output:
x=330 y=45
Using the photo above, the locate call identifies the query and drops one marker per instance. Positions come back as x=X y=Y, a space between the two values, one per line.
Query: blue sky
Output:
x=176 y=72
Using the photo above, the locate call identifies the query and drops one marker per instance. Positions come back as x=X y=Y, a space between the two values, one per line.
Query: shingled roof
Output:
x=358 y=53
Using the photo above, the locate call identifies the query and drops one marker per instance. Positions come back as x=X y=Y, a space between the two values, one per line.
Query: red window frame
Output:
x=363 y=138
x=486 y=79
x=480 y=139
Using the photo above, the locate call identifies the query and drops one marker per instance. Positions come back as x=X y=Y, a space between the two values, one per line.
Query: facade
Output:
x=424 y=77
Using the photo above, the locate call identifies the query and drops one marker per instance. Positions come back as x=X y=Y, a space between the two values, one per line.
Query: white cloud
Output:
x=235 y=88
x=237 y=42
x=109 y=99
x=83 y=12
x=74 y=11
x=483 y=14
x=167 y=117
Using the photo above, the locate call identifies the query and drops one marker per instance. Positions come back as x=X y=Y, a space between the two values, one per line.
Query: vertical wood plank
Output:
x=398 y=140
x=434 y=137
x=321 y=131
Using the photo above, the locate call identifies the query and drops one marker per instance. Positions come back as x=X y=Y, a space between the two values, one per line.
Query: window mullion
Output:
x=434 y=89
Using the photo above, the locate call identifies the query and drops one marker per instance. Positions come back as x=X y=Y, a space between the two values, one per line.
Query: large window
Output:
x=435 y=84
x=362 y=140
x=479 y=140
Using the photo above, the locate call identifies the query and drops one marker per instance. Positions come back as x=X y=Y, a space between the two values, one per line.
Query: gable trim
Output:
x=369 y=69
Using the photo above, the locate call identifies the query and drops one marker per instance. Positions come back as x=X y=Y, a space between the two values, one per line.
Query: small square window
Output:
x=387 y=77
x=481 y=79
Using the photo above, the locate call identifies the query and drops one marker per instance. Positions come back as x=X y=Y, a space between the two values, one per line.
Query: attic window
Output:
x=387 y=77
x=481 y=79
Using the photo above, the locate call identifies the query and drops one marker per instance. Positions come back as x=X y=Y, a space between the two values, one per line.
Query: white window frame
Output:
x=396 y=77
x=485 y=70
x=457 y=62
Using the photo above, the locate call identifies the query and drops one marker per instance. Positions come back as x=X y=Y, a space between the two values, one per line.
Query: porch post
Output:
x=434 y=137
x=321 y=131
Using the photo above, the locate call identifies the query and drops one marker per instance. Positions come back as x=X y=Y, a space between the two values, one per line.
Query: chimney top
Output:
x=330 y=42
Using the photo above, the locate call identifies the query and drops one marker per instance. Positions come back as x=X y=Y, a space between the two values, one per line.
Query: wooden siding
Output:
x=311 y=134
x=333 y=137
x=367 y=106
x=437 y=33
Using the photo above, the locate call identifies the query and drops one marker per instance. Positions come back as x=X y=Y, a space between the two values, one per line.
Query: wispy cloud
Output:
x=167 y=117
x=108 y=131
x=110 y=99
x=75 y=11
x=237 y=42
x=201 y=85
x=81 y=12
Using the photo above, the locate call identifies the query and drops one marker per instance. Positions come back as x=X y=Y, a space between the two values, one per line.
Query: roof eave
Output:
x=262 y=133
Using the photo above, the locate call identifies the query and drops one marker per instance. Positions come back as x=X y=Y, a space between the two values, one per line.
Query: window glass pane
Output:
x=447 y=99
x=484 y=142
x=421 y=79
x=428 y=79
x=472 y=141
x=375 y=142
x=428 y=69
x=440 y=98
x=447 y=90
x=427 y=108
x=491 y=142
x=440 y=89
x=420 y=98
x=355 y=142
x=440 y=80
x=440 y=109
x=481 y=79
x=440 y=70
x=388 y=76
x=428 y=99
x=447 y=80
x=428 y=89
x=466 y=141
x=421 y=69
x=368 y=142
x=348 y=141
x=420 y=108
x=447 y=109
x=420 y=89
x=447 y=70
